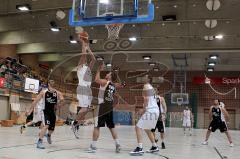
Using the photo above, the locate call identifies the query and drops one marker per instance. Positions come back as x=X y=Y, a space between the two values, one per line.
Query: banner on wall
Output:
x=217 y=80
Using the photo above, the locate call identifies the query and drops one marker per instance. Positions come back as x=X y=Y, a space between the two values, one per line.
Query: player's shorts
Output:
x=148 y=120
x=104 y=116
x=187 y=123
x=221 y=125
x=160 y=126
x=50 y=120
x=38 y=116
x=84 y=96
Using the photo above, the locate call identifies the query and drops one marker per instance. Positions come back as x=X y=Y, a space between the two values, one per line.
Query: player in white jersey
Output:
x=38 y=115
x=148 y=119
x=187 y=120
x=84 y=92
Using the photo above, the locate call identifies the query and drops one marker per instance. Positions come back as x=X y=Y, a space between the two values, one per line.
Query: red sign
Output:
x=2 y=81
x=217 y=80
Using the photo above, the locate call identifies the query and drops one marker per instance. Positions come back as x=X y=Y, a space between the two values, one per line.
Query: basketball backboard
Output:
x=179 y=98
x=102 y=12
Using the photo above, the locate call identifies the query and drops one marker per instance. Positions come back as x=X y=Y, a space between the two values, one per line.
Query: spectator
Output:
x=14 y=69
x=4 y=65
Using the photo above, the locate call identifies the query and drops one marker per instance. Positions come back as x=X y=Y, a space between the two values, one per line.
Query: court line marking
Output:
x=220 y=155
x=124 y=150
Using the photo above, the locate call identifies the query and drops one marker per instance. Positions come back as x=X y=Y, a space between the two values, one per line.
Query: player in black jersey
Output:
x=218 y=115
x=105 y=109
x=161 y=120
x=53 y=98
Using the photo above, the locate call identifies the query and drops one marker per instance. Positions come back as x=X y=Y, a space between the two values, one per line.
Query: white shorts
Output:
x=187 y=123
x=148 y=120
x=38 y=116
x=84 y=96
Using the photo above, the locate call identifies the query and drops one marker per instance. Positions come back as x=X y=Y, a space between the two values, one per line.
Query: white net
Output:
x=114 y=30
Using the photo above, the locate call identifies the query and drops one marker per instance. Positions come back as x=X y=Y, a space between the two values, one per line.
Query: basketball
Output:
x=79 y=29
x=84 y=36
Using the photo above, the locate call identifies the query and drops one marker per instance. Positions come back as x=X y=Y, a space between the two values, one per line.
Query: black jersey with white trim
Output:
x=50 y=101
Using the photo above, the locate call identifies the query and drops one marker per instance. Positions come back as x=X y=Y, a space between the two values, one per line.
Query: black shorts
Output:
x=50 y=120
x=105 y=117
x=221 y=125
x=160 y=126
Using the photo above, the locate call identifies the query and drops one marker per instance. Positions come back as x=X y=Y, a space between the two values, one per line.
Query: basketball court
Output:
x=63 y=62
x=178 y=146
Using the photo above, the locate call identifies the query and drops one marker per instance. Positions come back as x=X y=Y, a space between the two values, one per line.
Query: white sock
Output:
x=154 y=144
x=94 y=143
x=116 y=141
x=140 y=145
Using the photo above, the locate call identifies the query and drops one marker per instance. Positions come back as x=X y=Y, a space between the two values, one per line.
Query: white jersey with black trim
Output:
x=84 y=75
x=41 y=104
x=152 y=101
x=101 y=93
x=222 y=105
x=186 y=115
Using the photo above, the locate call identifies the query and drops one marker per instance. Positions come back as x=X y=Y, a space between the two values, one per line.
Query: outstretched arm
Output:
x=83 y=59
x=98 y=79
x=93 y=59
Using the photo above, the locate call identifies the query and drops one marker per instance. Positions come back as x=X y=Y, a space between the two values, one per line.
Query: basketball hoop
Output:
x=114 y=30
x=179 y=101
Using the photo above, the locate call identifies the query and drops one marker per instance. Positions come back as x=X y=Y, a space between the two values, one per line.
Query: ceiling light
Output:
x=178 y=23
x=133 y=39
x=211 y=63
x=219 y=36
x=169 y=18
x=54 y=26
x=175 y=6
x=24 y=7
x=213 y=57
x=99 y=58
x=109 y=65
x=147 y=57
x=55 y=29
x=104 y=1
x=155 y=69
x=157 y=7
x=72 y=40
x=210 y=69
x=152 y=64
x=94 y=41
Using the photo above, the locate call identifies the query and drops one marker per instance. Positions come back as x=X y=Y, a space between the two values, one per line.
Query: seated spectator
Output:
x=14 y=69
x=4 y=65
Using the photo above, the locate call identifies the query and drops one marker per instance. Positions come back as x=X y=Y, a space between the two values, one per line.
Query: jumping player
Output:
x=216 y=114
x=52 y=99
x=148 y=120
x=161 y=120
x=105 y=108
x=187 y=120
x=84 y=92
